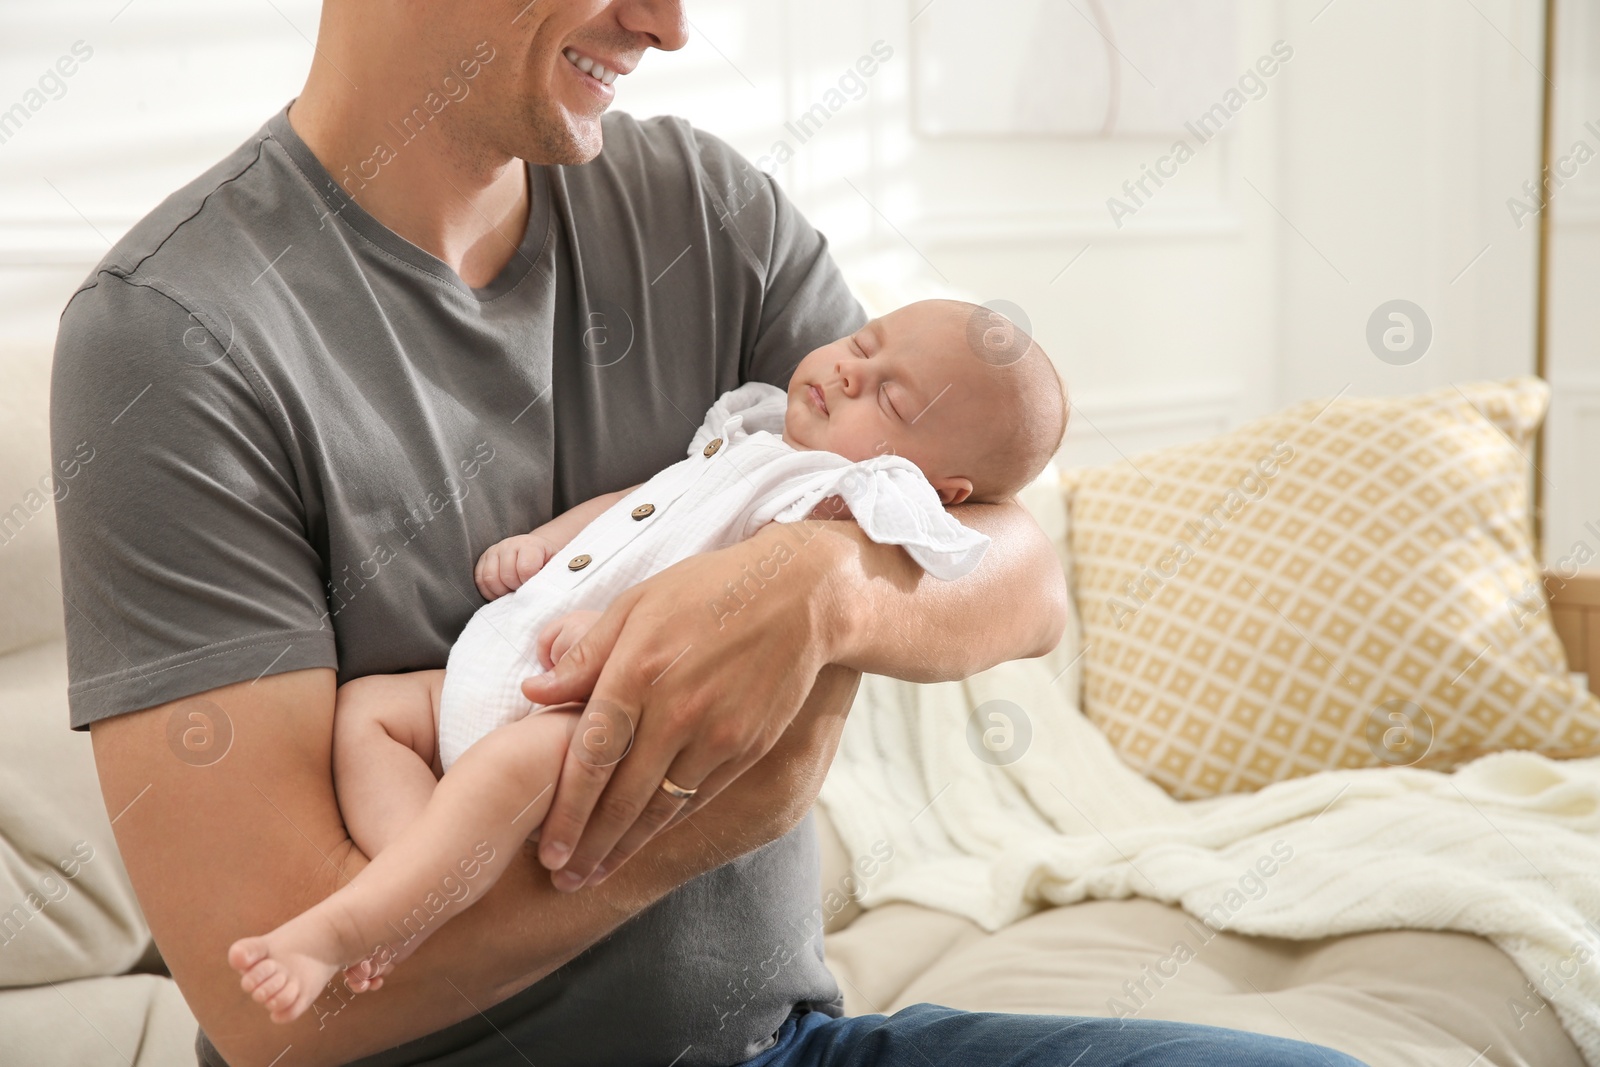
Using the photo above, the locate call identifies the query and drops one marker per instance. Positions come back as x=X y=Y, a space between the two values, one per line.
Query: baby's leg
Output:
x=385 y=753
x=477 y=819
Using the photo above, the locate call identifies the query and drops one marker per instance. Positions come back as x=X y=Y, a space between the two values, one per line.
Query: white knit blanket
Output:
x=1507 y=847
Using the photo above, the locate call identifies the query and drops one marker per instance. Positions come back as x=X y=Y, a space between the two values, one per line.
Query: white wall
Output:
x=1572 y=471
x=1376 y=166
x=171 y=87
x=1146 y=322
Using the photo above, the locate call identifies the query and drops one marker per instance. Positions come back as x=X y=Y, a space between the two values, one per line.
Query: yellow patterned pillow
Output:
x=1344 y=584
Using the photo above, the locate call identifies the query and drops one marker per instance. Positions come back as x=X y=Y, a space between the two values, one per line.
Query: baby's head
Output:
x=928 y=383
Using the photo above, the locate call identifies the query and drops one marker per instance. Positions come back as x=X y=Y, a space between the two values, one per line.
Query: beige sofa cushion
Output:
x=1343 y=584
x=137 y=1020
x=30 y=568
x=1412 y=998
x=67 y=909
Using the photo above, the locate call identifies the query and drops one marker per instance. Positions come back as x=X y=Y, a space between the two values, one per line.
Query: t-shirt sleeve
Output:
x=806 y=302
x=185 y=559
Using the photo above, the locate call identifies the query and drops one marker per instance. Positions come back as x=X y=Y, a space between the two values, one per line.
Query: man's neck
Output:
x=469 y=213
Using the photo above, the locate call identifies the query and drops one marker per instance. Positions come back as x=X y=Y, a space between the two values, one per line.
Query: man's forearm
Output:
x=243 y=844
x=896 y=620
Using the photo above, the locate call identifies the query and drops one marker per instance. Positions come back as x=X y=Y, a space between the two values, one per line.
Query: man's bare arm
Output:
x=242 y=844
x=900 y=622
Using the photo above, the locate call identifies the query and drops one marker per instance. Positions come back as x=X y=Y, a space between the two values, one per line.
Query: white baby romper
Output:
x=740 y=475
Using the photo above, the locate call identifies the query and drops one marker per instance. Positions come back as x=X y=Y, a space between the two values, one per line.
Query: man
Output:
x=420 y=310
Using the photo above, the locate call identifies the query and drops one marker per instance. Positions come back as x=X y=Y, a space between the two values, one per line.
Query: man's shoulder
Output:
x=171 y=293
x=191 y=240
x=662 y=165
x=667 y=139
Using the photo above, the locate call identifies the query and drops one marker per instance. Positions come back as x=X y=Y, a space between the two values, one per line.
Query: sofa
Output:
x=81 y=983
x=80 y=980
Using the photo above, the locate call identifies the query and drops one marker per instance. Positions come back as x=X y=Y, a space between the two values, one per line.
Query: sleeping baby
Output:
x=446 y=771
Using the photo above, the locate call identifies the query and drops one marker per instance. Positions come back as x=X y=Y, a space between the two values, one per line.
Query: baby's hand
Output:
x=561 y=635
x=367 y=975
x=506 y=565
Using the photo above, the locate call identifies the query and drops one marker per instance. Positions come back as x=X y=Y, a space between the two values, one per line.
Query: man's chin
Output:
x=588 y=138
x=564 y=139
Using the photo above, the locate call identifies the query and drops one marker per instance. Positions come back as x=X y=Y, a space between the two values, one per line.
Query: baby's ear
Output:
x=952 y=491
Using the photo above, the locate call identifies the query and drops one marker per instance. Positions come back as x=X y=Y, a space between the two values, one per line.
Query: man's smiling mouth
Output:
x=598 y=71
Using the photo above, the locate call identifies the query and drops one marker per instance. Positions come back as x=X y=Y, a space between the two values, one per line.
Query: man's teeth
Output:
x=595 y=70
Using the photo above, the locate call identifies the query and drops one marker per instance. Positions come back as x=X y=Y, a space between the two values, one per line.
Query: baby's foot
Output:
x=289 y=968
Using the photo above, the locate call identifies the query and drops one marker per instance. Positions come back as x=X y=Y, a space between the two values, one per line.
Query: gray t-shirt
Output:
x=306 y=430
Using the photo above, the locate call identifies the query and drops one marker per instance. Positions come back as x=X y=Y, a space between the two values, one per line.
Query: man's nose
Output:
x=663 y=21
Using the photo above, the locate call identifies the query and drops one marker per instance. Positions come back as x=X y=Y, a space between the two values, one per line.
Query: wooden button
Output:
x=711 y=449
x=644 y=511
x=577 y=563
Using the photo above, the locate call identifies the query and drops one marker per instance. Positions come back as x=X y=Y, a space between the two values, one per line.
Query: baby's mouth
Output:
x=818 y=399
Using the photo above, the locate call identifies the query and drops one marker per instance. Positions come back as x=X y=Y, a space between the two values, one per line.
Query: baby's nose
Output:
x=847 y=380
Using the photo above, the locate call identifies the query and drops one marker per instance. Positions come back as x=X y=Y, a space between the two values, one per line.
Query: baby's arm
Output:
x=509 y=563
x=832 y=507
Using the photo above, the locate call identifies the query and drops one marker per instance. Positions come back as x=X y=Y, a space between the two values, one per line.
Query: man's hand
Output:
x=507 y=564
x=692 y=674
x=692 y=678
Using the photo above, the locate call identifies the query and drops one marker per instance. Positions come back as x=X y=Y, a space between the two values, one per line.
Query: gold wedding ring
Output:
x=676 y=792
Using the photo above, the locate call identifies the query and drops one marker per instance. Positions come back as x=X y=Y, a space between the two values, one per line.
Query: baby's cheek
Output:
x=853 y=440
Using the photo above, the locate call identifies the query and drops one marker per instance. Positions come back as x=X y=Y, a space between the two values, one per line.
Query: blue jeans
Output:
x=926 y=1035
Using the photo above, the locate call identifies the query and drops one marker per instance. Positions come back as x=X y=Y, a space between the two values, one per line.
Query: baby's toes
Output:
x=246 y=952
x=265 y=980
x=284 y=1003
